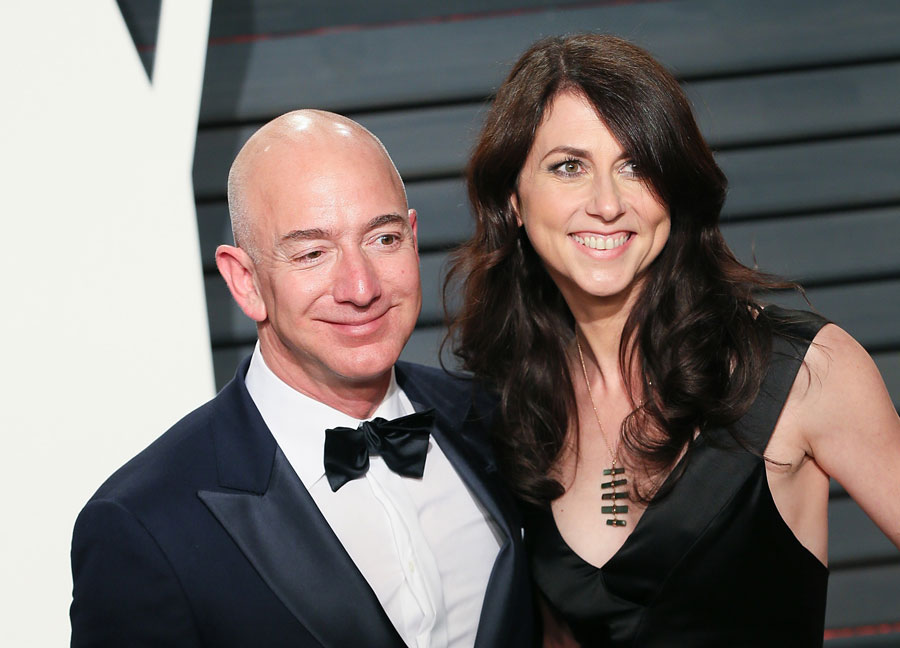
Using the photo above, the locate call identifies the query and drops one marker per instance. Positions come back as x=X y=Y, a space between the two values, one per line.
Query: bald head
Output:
x=295 y=137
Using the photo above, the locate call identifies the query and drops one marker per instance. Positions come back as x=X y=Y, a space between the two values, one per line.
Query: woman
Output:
x=672 y=437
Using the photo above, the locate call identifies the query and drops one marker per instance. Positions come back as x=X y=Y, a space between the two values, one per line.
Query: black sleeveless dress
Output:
x=711 y=564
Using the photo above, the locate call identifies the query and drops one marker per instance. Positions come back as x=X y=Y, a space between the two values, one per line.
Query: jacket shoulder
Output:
x=182 y=455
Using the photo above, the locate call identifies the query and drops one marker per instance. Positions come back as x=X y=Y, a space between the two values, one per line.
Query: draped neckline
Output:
x=681 y=466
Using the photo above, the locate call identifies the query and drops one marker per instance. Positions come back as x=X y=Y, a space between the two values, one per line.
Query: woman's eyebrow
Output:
x=569 y=150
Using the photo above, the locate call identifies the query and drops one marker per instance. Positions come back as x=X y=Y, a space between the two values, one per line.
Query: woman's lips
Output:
x=601 y=241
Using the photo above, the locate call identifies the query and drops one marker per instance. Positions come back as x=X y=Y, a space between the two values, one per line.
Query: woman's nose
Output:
x=606 y=199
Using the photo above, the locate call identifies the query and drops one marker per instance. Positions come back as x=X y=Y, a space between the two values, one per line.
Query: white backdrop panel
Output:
x=104 y=324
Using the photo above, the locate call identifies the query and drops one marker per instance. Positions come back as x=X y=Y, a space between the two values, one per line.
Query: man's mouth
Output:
x=362 y=321
x=361 y=325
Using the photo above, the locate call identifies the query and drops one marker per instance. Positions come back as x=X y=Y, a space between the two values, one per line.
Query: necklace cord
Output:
x=615 y=474
x=587 y=383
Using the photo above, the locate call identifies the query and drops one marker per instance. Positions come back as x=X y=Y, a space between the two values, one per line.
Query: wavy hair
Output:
x=693 y=330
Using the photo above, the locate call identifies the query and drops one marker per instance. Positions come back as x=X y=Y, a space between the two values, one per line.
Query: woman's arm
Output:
x=851 y=427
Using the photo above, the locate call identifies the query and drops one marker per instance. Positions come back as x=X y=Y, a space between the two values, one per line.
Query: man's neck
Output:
x=358 y=399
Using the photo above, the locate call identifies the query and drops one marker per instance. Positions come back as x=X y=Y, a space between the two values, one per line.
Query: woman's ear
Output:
x=514 y=206
x=239 y=272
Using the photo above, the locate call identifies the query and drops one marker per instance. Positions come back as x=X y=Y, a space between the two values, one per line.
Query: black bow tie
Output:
x=402 y=443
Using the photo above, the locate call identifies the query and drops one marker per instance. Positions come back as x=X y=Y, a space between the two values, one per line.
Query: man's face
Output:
x=338 y=266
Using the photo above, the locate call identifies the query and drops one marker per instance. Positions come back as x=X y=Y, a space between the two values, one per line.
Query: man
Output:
x=247 y=524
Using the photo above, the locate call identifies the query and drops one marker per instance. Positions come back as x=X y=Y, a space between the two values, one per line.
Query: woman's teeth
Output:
x=602 y=242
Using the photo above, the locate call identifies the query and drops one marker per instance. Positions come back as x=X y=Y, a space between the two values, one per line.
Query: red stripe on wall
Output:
x=862 y=631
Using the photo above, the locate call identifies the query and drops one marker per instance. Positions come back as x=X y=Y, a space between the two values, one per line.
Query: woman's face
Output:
x=591 y=219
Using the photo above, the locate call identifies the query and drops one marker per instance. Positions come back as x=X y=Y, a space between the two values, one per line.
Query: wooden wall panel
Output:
x=231 y=18
x=429 y=62
x=863 y=596
x=866 y=310
x=812 y=175
x=853 y=539
x=816 y=249
x=797 y=105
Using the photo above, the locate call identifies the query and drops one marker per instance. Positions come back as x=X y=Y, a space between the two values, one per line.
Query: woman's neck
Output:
x=599 y=323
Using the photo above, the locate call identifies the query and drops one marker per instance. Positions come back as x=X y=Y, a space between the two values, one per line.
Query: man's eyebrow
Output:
x=311 y=234
x=385 y=219
x=318 y=233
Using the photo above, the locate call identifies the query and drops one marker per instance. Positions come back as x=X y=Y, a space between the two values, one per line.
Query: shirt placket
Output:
x=427 y=623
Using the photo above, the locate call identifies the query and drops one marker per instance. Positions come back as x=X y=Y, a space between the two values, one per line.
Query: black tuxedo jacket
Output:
x=208 y=538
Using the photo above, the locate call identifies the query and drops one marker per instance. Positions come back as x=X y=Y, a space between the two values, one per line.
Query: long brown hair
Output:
x=692 y=330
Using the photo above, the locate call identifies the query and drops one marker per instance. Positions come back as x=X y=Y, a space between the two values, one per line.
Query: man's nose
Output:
x=356 y=280
x=606 y=199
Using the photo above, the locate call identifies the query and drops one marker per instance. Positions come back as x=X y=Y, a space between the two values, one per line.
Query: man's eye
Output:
x=388 y=239
x=310 y=256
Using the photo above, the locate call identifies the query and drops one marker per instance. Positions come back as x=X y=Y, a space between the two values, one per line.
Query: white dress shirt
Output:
x=425 y=546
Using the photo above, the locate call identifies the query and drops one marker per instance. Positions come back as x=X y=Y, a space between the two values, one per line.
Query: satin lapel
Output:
x=465 y=445
x=476 y=471
x=272 y=518
x=293 y=549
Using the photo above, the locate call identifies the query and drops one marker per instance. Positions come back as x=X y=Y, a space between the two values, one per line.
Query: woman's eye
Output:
x=569 y=167
x=631 y=169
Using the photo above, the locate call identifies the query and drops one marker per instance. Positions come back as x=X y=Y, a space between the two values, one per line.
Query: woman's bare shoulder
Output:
x=850 y=424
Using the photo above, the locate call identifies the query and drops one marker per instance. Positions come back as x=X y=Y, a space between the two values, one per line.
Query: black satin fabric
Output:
x=711 y=564
x=402 y=443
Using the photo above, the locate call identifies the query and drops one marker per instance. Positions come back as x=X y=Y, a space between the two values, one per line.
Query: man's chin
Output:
x=361 y=374
x=364 y=363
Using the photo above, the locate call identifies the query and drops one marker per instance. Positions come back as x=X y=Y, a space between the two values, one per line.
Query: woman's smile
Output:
x=602 y=241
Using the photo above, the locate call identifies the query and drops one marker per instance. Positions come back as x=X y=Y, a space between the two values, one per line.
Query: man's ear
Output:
x=238 y=270
x=414 y=226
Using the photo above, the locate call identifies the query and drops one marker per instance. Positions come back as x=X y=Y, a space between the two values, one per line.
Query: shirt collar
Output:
x=298 y=422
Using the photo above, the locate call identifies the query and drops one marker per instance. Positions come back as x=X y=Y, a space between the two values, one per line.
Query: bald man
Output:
x=329 y=495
